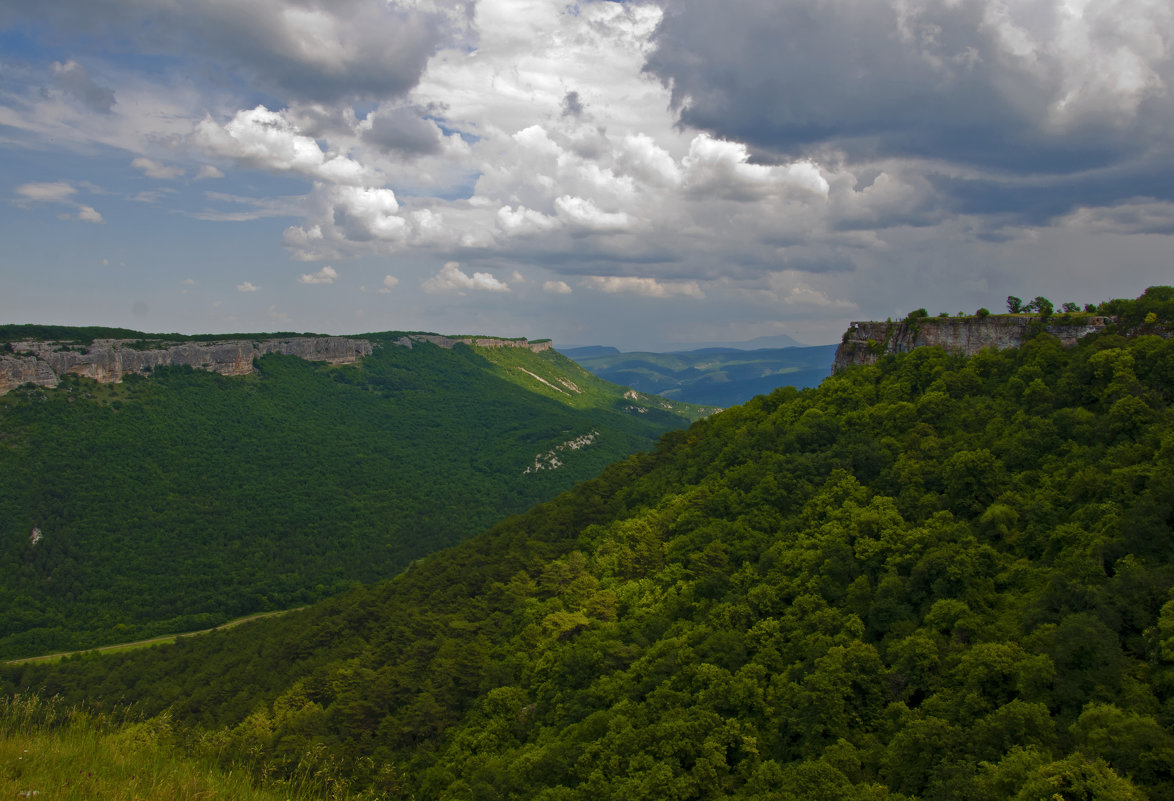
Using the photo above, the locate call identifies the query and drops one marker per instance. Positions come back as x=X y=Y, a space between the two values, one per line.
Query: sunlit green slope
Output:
x=178 y=501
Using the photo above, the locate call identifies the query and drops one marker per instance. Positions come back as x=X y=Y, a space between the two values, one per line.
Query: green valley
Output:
x=180 y=500
x=932 y=577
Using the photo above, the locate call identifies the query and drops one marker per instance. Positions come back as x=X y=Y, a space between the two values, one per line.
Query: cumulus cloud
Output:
x=75 y=80
x=583 y=213
x=324 y=276
x=557 y=287
x=367 y=213
x=648 y=287
x=88 y=214
x=452 y=279
x=723 y=168
x=389 y=283
x=153 y=169
x=266 y=140
x=521 y=220
x=247 y=286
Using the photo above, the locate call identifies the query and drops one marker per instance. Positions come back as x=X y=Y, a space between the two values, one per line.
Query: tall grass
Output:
x=49 y=751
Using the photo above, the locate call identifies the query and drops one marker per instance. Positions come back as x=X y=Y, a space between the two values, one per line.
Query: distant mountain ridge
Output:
x=722 y=376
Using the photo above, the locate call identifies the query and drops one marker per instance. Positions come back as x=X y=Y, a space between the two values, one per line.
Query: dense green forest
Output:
x=931 y=578
x=716 y=376
x=178 y=501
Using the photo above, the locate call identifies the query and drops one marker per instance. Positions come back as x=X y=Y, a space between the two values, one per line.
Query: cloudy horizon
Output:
x=633 y=174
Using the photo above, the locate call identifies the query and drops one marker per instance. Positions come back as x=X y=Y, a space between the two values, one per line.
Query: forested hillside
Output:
x=178 y=501
x=930 y=578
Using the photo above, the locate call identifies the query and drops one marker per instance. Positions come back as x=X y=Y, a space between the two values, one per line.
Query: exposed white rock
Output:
x=551 y=461
x=543 y=380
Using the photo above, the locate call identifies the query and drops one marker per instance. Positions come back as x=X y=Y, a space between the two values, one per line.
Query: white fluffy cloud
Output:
x=324 y=276
x=452 y=279
x=88 y=214
x=648 y=287
x=266 y=140
x=247 y=286
x=721 y=168
x=557 y=287
x=389 y=283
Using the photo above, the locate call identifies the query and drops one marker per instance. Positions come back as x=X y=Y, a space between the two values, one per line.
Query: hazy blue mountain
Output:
x=719 y=376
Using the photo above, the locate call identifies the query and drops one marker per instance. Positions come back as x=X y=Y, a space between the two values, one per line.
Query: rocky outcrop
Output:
x=536 y=345
x=108 y=360
x=865 y=342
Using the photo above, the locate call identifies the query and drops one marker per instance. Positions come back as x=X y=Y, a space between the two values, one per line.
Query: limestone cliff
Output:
x=865 y=342
x=536 y=345
x=108 y=360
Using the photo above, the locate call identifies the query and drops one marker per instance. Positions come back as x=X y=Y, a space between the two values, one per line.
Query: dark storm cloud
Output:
x=310 y=50
x=323 y=51
x=404 y=130
x=1001 y=88
x=1041 y=201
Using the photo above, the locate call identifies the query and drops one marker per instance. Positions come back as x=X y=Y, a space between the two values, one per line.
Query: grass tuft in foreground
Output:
x=51 y=751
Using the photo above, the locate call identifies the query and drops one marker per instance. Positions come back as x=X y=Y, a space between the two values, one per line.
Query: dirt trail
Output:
x=126 y=646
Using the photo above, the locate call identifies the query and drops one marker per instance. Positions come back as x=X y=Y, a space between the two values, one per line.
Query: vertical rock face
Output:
x=865 y=342
x=108 y=360
x=536 y=345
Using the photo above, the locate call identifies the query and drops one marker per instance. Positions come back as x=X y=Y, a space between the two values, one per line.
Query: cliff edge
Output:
x=865 y=342
x=535 y=345
x=109 y=360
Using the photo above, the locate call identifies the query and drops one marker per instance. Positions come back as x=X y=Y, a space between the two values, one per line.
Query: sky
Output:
x=634 y=174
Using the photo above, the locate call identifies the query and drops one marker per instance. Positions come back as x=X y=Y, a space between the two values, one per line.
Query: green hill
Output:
x=178 y=501
x=714 y=376
x=930 y=578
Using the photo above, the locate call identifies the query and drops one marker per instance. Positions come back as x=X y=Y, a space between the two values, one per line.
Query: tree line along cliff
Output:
x=967 y=335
